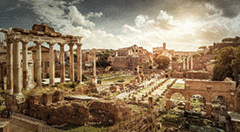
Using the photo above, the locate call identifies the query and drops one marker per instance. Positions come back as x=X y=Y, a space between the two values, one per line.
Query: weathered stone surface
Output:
x=59 y=112
x=105 y=110
x=114 y=88
x=57 y=96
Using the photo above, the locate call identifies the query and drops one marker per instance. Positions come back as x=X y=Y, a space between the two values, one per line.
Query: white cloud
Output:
x=129 y=29
x=78 y=18
x=91 y=14
x=140 y=20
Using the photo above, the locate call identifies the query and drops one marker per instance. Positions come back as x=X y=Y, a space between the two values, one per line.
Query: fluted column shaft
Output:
x=25 y=64
x=79 y=62
x=183 y=62
x=71 y=69
x=94 y=65
x=188 y=62
x=191 y=62
x=39 y=67
x=16 y=68
x=51 y=64
x=9 y=67
x=62 y=78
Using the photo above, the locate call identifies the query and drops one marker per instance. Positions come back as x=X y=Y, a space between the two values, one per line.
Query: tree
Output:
x=236 y=64
x=102 y=61
x=227 y=62
x=162 y=61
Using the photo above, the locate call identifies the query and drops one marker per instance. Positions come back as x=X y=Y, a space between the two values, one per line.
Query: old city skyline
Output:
x=118 y=24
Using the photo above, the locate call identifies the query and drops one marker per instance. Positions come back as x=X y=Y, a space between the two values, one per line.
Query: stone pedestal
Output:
x=15 y=102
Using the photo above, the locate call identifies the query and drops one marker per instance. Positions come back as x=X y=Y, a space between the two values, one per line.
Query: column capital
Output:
x=79 y=44
x=50 y=43
x=16 y=40
x=71 y=44
x=61 y=44
x=24 y=42
x=38 y=43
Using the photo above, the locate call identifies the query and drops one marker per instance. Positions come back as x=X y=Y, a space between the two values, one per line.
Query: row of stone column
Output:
x=14 y=62
x=184 y=65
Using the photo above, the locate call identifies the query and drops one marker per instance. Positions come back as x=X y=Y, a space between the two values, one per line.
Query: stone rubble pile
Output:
x=52 y=108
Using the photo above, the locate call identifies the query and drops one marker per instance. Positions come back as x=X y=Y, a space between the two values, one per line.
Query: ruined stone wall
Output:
x=134 y=61
x=213 y=88
x=197 y=75
x=120 y=63
x=45 y=60
x=52 y=108
x=177 y=74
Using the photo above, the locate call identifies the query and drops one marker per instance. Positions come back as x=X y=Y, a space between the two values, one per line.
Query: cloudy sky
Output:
x=182 y=24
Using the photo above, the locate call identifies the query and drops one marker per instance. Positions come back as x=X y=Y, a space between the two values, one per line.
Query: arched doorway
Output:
x=197 y=103
x=177 y=102
x=219 y=106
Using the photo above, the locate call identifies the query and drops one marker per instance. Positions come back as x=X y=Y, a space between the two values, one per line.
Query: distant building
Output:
x=130 y=58
x=45 y=60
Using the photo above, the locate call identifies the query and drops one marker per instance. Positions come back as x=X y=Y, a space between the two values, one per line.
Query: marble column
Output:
x=39 y=66
x=62 y=61
x=16 y=68
x=94 y=65
x=188 y=62
x=51 y=64
x=25 y=64
x=94 y=81
x=9 y=67
x=79 y=62
x=71 y=68
x=183 y=62
x=191 y=62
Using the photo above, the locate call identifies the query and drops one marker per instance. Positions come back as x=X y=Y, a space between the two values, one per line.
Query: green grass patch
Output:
x=178 y=85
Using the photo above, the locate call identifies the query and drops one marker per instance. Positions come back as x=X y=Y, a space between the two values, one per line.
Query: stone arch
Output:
x=226 y=96
x=197 y=103
x=169 y=95
x=179 y=101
